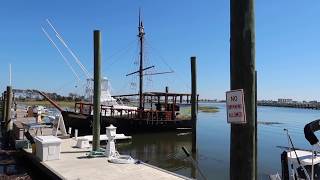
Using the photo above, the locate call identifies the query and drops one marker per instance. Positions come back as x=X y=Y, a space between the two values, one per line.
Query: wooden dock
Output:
x=74 y=164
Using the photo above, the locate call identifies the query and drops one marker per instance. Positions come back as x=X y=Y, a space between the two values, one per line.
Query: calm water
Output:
x=164 y=149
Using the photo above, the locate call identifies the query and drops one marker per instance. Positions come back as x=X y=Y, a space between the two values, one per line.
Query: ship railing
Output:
x=134 y=114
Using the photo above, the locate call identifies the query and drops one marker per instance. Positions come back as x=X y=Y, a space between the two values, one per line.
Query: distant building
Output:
x=280 y=100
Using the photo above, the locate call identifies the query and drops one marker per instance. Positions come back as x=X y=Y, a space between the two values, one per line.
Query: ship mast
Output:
x=141 y=38
x=141 y=68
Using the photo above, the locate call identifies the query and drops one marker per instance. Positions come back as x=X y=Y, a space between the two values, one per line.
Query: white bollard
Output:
x=76 y=133
x=38 y=119
x=69 y=130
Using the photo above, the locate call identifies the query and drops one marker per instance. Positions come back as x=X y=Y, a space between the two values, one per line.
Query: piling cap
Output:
x=111 y=127
x=111 y=131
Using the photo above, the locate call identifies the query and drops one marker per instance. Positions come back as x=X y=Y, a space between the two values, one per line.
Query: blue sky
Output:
x=287 y=44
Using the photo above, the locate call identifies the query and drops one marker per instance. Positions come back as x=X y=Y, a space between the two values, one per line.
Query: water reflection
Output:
x=163 y=150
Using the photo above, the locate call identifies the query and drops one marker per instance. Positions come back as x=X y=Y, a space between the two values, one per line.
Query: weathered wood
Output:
x=4 y=106
x=242 y=69
x=97 y=91
x=8 y=104
x=256 y=124
x=194 y=104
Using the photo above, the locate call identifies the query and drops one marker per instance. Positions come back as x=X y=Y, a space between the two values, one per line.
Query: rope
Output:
x=120 y=52
x=63 y=57
x=69 y=50
x=187 y=85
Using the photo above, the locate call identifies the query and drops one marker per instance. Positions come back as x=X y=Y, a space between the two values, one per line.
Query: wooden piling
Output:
x=8 y=104
x=197 y=102
x=256 y=125
x=97 y=91
x=242 y=69
x=194 y=104
x=4 y=106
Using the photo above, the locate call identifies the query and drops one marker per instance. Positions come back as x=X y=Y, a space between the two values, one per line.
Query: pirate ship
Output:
x=156 y=111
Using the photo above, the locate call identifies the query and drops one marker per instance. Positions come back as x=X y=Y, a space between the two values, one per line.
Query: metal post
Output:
x=242 y=76
x=97 y=91
x=194 y=104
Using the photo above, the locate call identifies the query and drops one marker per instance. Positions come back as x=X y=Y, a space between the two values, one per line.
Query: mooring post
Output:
x=97 y=91
x=256 y=125
x=8 y=104
x=166 y=98
x=197 y=102
x=242 y=69
x=4 y=106
x=194 y=104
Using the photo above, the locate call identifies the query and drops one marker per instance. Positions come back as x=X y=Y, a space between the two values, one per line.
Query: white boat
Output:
x=105 y=98
x=301 y=164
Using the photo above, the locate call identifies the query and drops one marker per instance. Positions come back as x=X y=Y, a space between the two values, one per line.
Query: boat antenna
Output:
x=85 y=71
x=63 y=57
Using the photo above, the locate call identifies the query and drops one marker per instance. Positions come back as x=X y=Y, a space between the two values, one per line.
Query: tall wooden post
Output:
x=197 y=102
x=4 y=106
x=166 y=98
x=97 y=91
x=8 y=104
x=194 y=103
x=256 y=124
x=242 y=69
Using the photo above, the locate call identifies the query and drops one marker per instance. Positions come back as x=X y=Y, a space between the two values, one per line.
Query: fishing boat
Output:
x=157 y=111
x=300 y=164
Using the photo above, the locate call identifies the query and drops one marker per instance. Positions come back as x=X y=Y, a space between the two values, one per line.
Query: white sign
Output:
x=236 y=111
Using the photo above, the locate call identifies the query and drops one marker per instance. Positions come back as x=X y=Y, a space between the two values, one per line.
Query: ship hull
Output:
x=127 y=126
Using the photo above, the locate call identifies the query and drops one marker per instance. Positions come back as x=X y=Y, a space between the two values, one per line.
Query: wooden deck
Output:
x=74 y=164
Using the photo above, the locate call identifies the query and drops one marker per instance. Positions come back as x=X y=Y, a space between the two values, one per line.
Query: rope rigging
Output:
x=63 y=57
x=85 y=71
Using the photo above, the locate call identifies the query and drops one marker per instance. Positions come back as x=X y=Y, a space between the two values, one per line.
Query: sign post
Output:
x=236 y=111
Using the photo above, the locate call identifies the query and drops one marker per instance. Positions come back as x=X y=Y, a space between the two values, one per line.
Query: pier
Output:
x=302 y=105
x=74 y=164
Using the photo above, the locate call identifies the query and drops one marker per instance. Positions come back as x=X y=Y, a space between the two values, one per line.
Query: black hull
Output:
x=127 y=126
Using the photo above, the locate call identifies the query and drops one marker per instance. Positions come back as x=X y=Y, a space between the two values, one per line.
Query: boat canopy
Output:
x=309 y=130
